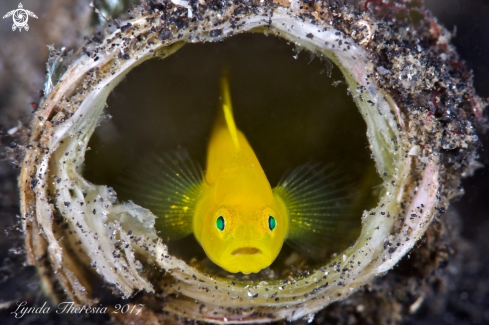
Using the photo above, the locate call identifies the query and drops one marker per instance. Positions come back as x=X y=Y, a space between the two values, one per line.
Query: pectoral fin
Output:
x=170 y=187
x=317 y=201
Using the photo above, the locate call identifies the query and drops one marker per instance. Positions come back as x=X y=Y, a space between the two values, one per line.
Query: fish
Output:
x=240 y=221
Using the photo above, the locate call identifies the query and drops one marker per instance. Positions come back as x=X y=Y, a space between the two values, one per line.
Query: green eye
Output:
x=272 y=223
x=220 y=223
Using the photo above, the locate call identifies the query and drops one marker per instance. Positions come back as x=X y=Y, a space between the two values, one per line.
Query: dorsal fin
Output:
x=227 y=110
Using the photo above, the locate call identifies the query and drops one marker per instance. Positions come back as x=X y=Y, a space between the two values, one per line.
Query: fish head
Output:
x=242 y=238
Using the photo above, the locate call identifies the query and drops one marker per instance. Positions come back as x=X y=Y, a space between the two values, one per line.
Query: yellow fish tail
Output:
x=227 y=110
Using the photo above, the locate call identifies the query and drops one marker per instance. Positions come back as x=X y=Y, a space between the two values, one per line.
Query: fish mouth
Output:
x=246 y=251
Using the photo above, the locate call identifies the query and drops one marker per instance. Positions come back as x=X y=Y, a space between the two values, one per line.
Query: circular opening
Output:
x=292 y=107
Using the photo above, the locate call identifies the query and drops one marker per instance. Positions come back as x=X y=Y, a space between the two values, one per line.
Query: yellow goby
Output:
x=238 y=219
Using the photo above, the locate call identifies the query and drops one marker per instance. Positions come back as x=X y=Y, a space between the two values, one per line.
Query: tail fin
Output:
x=227 y=109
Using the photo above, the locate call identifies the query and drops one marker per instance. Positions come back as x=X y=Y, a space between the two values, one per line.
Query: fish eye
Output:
x=272 y=223
x=220 y=223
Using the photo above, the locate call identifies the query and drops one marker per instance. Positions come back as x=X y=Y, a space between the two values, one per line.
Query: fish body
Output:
x=235 y=215
x=237 y=190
